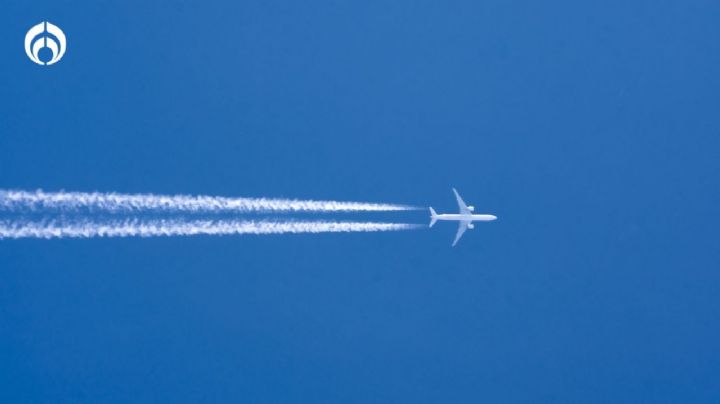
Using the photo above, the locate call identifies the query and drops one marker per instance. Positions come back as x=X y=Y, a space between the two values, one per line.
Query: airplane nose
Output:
x=493 y=217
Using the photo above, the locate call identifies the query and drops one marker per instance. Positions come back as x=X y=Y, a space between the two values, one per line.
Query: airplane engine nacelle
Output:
x=471 y=226
x=471 y=208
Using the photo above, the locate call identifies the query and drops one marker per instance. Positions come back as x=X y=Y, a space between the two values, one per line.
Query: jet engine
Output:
x=471 y=208
x=471 y=226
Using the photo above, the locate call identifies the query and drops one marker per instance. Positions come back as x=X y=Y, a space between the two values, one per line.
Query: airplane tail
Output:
x=433 y=217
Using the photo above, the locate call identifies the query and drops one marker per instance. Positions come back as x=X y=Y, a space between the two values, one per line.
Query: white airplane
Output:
x=465 y=217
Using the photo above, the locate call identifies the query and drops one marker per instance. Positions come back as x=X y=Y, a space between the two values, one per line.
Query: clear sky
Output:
x=591 y=129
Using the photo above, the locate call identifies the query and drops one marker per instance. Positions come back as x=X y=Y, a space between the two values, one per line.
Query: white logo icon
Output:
x=45 y=35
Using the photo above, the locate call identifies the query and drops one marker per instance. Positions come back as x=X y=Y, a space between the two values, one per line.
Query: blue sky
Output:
x=590 y=129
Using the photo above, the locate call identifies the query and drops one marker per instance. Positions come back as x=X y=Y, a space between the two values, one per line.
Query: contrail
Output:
x=113 y=202
x=174 y=227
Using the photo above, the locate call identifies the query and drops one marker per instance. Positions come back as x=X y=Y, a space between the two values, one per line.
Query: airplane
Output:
x=465 y=217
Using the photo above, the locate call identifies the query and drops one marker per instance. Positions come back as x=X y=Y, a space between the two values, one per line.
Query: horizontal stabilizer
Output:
x=433 y=217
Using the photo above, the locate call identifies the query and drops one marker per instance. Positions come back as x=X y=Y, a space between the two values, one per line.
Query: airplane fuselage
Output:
x=469 y=218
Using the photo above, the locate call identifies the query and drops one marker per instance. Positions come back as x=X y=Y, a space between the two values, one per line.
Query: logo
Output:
x=45 y=35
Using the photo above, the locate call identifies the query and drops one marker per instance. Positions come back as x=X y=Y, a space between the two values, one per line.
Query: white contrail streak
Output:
x=112 y=202
x=151 y=228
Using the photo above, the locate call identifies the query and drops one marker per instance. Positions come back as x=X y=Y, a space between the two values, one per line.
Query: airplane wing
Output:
x=462 y=226
x=464 y=210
